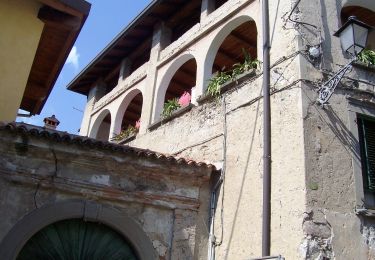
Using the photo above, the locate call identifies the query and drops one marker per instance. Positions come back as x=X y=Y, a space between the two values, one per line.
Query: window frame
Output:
x=356 y=109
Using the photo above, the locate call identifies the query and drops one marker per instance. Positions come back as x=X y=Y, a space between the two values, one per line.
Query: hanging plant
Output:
x=170 y=106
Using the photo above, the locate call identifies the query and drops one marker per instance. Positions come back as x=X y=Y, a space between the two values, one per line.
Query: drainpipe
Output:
x=266 y=224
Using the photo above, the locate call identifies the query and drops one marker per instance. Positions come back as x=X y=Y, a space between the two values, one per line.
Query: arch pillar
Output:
x=36 y=220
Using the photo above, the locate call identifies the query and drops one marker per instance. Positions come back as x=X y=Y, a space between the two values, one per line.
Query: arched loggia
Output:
x=179 y=78
x=128 y=114
x=101 y=127
x=237 y=39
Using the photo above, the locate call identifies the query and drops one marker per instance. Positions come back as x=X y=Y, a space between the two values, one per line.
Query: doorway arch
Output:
x=77 y=239
x=38 y=219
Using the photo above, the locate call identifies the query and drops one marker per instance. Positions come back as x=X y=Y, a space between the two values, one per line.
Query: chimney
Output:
x=51 y=122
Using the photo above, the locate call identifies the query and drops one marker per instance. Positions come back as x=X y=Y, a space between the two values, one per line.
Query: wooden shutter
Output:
x=366 y=127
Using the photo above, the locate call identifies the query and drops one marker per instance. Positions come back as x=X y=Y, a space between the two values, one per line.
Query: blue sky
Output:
x=106 y=19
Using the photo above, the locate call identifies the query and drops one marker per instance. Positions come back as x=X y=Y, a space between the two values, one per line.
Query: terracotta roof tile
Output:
x=64 y=137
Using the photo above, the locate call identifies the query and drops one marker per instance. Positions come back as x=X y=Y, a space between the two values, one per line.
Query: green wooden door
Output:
x=76 y=239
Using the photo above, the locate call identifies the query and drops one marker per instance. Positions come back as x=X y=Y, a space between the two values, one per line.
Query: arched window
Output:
x=363 y=14
x=183 y=80
x=239 y=44
x=128 y=118
x=77 y=239
x=232 y=52
x=103 y=131
x=133 y=112
x=179 y=90
x=101 y=127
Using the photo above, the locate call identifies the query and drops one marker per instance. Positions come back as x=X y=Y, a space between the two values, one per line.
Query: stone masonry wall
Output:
x=168 y=200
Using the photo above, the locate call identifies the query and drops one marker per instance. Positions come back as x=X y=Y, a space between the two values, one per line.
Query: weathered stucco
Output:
x=317 y=194
x=168 y=200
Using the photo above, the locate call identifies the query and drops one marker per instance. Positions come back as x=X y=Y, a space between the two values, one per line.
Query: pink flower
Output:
x=184 y=100
x=138 y=124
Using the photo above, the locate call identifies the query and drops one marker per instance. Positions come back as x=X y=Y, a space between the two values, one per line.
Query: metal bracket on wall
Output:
x=326 y=90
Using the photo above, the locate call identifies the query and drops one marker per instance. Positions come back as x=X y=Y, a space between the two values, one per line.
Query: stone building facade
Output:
x=157 y=203
x=320 y=209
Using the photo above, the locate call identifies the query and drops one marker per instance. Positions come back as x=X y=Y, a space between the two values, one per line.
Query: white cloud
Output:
x=73 y=58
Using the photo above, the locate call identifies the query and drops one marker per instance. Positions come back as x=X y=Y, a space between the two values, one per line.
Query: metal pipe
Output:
x=266 y=229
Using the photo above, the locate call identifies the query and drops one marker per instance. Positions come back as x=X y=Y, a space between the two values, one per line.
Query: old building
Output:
x=69 y=197
x=322 y=175
x=36 y=38
x=60 y=192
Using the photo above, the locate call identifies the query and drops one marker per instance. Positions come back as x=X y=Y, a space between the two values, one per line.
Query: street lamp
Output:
x=353 y=36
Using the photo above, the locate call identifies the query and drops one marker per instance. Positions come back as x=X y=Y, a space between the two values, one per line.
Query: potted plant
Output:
x=175 y=103
x=367 y=57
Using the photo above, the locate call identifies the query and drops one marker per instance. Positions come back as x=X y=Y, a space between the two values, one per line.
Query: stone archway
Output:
x=77 y=239
x=40 y=218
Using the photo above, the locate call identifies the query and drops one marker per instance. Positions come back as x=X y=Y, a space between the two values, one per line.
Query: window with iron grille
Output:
x=366 y=132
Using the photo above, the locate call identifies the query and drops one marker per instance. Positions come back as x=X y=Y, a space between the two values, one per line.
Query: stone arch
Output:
x=36 y=220
x=122 y=109
x=98 y=128
x=217 y=42
x=168 y=75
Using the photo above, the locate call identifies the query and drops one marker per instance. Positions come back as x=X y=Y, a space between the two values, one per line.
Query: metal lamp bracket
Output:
x=326 y=90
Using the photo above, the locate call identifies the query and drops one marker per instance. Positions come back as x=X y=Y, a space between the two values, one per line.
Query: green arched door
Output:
x=76 y=239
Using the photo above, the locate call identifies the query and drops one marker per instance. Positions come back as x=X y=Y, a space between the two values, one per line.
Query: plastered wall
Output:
x=20 y=34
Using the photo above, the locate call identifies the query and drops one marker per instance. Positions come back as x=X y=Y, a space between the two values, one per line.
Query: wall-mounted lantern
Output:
x=353 y=36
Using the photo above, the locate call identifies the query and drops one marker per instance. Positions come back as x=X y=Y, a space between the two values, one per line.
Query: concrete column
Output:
x=115 y=127
x=161 y=38
x=125 y=69
x=207 y=7
x=96 y=92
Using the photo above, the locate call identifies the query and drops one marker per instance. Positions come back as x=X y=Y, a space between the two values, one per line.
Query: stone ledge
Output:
x=175 y=114
x=229 y=85
x=127 y=139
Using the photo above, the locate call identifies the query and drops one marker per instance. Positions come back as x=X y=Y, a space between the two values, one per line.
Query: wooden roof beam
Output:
x=242 y=39
x=57 y=19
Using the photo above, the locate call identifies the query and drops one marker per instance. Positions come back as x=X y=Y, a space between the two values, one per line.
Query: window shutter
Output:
x=367 y=143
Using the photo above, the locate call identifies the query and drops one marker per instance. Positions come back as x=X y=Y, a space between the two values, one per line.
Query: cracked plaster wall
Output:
x=331 y=227
x=168 y=207
x=198 y=134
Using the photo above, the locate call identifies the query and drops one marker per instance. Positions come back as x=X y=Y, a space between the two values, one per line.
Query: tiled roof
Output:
x=65 y=137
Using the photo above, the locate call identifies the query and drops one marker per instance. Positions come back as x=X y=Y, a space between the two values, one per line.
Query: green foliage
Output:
x=247 y=65
x=125 y=133
x=215 y=83
x=213 y=88
x=367 y=57
x=170 y=106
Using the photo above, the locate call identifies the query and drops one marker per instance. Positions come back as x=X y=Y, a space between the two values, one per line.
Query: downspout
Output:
x=266 y=224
